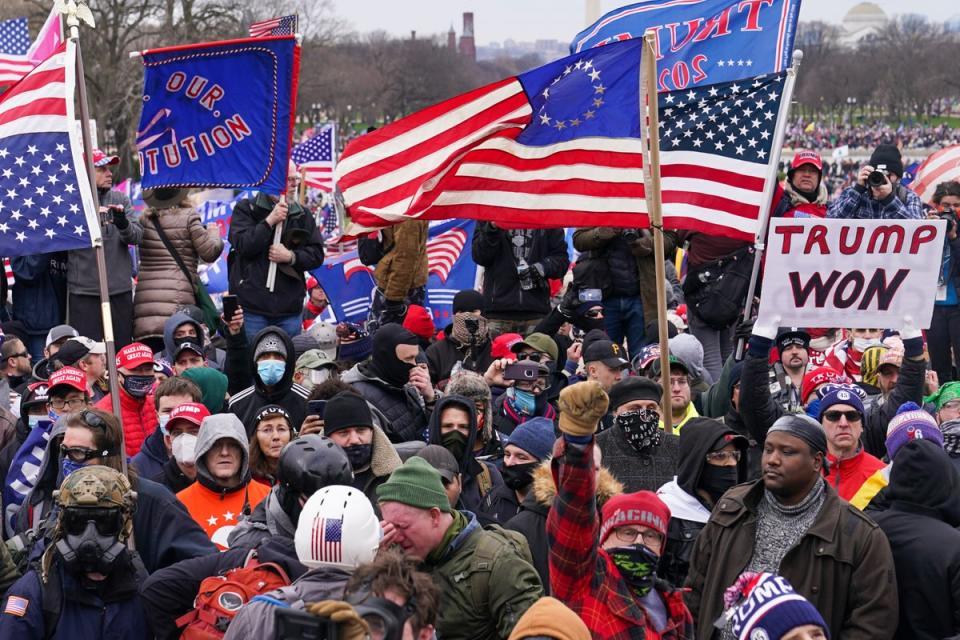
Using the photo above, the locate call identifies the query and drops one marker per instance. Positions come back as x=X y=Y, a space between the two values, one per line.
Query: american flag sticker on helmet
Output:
x=16 y=606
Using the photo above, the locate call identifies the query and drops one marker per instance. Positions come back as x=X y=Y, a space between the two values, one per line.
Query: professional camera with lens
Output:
x=385 y=619
x=877 y=177
x=950 y=216
x=630 y=235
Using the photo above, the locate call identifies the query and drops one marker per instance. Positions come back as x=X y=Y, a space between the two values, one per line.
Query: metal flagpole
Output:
x=769 y=184
x=73 y=13
x=651 y=179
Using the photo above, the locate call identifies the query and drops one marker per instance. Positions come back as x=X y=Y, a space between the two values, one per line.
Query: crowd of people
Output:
x=826 y=134
x=517 y=473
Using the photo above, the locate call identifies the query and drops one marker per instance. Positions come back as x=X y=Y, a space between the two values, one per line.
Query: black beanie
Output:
x=468 y=300
x=889 y=156
x=344 y=410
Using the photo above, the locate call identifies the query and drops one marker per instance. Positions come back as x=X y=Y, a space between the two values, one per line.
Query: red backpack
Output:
x=220 y=597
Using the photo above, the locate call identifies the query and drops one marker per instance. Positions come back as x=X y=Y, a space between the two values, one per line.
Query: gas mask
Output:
x=90 y=541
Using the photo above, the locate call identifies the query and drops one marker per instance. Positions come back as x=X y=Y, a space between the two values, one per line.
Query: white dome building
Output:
x=863 y=21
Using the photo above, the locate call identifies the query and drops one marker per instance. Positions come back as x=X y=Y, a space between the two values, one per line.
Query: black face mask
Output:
x=638 y=566
x=138 y=386
x=384 y=359
x=359 y=455
x=716 y=480
x=454 y=442
x=90 y=543
x=641 y=428
x=519 y=476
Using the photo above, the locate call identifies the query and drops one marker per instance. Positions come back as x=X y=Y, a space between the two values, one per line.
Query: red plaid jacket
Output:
x=582 y=575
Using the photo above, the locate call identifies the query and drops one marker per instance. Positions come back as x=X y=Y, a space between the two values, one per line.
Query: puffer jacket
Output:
x=139 y=418
x=404 y=264
x=406 y=415
x=161 y=286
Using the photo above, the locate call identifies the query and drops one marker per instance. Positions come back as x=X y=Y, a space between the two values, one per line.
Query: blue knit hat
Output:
x=766 y=606
x=535 y=436
x=832 y=394
x=911 y=423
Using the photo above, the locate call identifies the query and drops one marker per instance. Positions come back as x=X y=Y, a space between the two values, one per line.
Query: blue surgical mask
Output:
x=271 y=371
x=162 y=421
x=68 y=466
x=522 y=401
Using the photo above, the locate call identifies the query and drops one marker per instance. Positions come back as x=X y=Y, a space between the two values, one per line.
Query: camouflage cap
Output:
x=96 y=486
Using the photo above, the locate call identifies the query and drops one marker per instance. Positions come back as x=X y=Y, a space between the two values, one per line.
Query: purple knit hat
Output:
x=911 y=423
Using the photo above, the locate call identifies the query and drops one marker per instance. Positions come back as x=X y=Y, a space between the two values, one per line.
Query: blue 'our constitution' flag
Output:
x=219 y=114
x=702 y=42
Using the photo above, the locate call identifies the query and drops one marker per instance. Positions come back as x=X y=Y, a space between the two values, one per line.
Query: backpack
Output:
x=220 y=597
x=491 y=544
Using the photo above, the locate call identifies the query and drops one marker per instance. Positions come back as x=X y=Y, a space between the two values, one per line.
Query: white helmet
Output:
x=337 y=528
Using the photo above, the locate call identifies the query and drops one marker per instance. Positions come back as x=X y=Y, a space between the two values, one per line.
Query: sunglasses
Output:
x=92 y=420
x=108 y=522
x=534 y=356
x=834 y=416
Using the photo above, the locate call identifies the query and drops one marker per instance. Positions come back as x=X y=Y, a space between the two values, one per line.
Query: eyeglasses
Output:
x=81 y=454
x=109 y=522
x=723 y=456
x=834 y=416
x=532 y=385
x=679 y=381
x=629 y=535
x=269 y=431
x=75 y=403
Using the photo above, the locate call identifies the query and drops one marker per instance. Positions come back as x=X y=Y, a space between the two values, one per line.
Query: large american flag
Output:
x=14 y=43
x=281 y=26
x=942 y=166
x=45 y=200
x=315 y=158
x=561 y=146
x=326 y=539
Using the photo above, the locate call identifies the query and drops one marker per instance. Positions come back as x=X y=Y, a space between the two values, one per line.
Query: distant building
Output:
x=468 y=46
x=862 y=22
x=452 y=39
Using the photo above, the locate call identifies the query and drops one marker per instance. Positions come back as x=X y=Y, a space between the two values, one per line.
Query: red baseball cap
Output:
x=69 y=376
x=192 y=412
x=503 y=344
x=805 y=156
x=816 y=377
x=100 y=159
x=134 y=355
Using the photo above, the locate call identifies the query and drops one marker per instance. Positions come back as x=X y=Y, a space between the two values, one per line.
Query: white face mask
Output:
x=862 y=344
x=318 y=376
x=184 y=448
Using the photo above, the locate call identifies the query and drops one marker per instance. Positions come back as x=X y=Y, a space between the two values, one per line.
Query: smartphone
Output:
x=230 y=306
x=590 y=295
x=291 y=623
x=522 y=371
x=316 y=407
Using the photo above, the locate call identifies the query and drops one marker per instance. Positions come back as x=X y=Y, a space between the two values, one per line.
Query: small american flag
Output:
x=14 y=44
x=315 y=157
x=282 y=26
x=16 y=606
x=326 y=539
x=942 y=166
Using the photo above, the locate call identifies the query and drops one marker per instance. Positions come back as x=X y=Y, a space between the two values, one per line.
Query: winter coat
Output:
x=40 y=290
x=847 y=476
x=247 y=263
x=82 y=263
x=406 y=414
x=267 y=520
x=628 y=275
x=842 y=565
x=169 y=593
x=216 y=358
x=85 y=614
x=162 y=288
x=172 y=477
x=486 y=582
x=791 y=204
x=246 y=404
x=384 y=459
x=505 y=419
x=404 y=264
x=648 y=470
x=139 y=418
x=152 y=456
x=256 y=618
x=444 y=354
x=856 y=203
x=582 y=575
x=531 y=522
x=214 y=507
x=478 y=478
x=502 y=295
x=921 y=525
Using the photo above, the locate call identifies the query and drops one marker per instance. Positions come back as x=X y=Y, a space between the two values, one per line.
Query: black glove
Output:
x=119 y=217
x=393 y=311
x=744 y=329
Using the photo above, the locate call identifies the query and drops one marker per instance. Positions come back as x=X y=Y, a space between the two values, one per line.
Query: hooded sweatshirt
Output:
x=920 y=524
x=479 y=478
x=215 y=357
x=217 y=509
x=291 y=396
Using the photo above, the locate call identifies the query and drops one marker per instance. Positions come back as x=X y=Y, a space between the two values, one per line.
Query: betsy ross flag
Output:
x=326 y=539
x=315 y=158
x=561 y=146
x=45 y=199
x=282 y=26
x=942 y=166
x=18 y=55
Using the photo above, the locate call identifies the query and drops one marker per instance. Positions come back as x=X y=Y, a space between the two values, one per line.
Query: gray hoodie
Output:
x=216 y=427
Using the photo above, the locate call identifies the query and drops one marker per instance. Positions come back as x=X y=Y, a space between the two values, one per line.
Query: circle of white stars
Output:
x=586 y=68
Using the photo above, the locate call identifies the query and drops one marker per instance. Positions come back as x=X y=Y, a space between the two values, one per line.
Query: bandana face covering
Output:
x=455 y=442
x=641 y=427
x=638 y=566
x=461 y=332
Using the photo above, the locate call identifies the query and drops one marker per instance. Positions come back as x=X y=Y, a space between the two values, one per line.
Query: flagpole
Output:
x=651 y=178
x=73 y=13
x=769 y=185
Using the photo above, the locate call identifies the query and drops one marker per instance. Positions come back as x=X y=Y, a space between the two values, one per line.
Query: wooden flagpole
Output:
x=651 y=179
x=73 y=13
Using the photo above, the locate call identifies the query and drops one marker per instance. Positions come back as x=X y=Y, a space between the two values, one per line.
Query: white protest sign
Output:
x=851 y=273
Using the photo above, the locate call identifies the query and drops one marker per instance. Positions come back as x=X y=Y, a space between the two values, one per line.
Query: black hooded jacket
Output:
x=247 y=403
x=478 y=477
x=689 y=511
x=924 y=494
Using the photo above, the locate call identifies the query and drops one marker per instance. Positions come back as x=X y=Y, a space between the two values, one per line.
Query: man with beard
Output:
x=523 y=451
x=803 y=194
x=395 y=380
x=86 y=583
x=786 y=375
x=466 y=340
x=793 y=522
x=712 y=460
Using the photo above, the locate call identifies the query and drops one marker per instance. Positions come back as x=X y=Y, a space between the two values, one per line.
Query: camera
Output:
x=877 y=177
x=630 y=235
x=950 y=216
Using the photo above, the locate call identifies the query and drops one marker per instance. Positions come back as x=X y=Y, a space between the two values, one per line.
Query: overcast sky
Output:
x=528 y=20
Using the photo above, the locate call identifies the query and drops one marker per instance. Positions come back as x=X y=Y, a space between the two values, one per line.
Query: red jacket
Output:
x=139 y=418
x=847 y=476
x=582 y=575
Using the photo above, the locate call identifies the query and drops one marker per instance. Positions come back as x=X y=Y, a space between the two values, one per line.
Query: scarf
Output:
x=462 y=334
x=460 y=523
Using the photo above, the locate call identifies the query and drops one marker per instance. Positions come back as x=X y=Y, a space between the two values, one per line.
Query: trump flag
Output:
x=219 y=114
